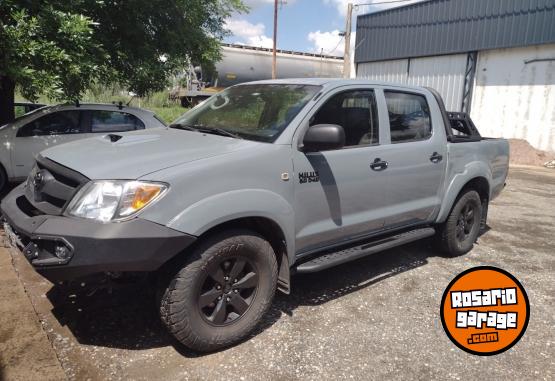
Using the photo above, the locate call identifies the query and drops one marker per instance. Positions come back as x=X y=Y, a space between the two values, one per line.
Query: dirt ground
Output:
x=376 y=318
x=25 y=352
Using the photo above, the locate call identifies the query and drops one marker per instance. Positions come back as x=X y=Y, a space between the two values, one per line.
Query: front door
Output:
x=44 y=132
x=338 y=197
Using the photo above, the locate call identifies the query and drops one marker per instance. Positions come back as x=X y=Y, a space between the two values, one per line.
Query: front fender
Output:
x=220 y=208
x=471 y=171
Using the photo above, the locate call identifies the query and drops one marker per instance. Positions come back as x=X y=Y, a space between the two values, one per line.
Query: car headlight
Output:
x=114 y=200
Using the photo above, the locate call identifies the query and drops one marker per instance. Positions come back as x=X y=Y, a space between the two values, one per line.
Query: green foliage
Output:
x=61 y=48
x=46 y=50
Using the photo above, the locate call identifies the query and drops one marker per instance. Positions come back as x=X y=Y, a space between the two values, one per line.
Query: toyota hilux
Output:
x=261 y=181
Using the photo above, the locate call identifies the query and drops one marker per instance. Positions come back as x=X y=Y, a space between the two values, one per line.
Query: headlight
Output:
x=114 y=200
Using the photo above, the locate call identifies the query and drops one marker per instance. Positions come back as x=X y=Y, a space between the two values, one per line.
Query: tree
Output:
x=59 y=47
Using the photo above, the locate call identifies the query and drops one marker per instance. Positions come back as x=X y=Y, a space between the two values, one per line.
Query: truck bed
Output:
x=493 y=152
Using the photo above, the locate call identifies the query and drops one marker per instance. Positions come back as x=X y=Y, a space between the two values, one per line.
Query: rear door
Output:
x=112 y=121
x=338 y=197
x=416 y=158
x=46 y=131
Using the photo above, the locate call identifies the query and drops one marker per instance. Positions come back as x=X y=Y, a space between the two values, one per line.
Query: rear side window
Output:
x=409 y=117
x=114 y=121
x=56 y=123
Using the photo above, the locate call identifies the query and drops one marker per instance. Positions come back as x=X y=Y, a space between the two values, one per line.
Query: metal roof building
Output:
x=488 y=57
x=453 y=26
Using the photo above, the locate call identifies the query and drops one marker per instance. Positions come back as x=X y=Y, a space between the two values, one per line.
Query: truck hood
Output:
x=134 y=154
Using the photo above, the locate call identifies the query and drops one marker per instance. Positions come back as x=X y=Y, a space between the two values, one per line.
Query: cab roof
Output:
x=329 y=82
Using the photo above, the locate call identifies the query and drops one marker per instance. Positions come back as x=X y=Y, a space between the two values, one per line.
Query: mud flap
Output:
x=284 y=276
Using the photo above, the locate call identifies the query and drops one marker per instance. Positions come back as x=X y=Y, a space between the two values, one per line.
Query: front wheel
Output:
x=221 y=292
x=458 y=234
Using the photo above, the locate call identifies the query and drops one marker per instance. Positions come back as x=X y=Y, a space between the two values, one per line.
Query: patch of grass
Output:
x=168 y=114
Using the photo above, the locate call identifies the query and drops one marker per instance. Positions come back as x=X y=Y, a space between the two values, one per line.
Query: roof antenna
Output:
x=130 y=100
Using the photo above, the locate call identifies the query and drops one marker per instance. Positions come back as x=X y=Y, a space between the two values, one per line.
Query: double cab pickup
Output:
x=263 y=180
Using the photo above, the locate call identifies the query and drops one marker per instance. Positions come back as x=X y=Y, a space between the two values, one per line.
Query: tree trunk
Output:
x=7 y=93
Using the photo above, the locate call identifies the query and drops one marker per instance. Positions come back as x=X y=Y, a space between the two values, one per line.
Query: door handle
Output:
x=379 y=165
x=436 y=158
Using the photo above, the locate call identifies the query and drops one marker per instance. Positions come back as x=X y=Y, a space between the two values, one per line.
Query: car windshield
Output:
x=253 y=112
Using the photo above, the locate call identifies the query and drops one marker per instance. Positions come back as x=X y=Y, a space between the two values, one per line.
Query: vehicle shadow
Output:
x=7 y=189
x=123 y=315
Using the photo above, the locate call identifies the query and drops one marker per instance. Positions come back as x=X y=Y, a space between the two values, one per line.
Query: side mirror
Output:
x=324 y=137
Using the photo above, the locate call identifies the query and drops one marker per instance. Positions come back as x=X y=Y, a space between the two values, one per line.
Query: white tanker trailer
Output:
x=242 y=63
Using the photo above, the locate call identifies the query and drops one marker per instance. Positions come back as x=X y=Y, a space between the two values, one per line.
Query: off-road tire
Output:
x=447 y=239
x=180 y=290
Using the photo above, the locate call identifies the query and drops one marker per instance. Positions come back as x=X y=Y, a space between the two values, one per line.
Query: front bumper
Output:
x=64 y=248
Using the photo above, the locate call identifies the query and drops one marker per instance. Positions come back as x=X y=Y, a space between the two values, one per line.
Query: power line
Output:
x=337 y=46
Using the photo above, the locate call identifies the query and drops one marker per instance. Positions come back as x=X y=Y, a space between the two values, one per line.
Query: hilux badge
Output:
x=309 y=177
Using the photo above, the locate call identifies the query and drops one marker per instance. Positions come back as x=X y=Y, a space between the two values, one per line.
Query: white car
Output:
x=24 y=138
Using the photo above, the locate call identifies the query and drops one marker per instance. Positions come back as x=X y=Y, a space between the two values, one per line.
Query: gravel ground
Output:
x=371 y=319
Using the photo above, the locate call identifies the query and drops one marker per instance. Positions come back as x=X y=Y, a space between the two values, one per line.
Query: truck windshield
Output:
x=253 y=112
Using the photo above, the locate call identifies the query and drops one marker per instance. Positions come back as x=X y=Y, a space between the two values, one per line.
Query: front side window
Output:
x=356 y=112
x=56 y=123
x=254 y=112
x=114 y=121
x=409 y=117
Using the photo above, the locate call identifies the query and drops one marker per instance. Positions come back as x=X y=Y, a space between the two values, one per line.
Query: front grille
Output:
x=51 y=186
x=69 y=181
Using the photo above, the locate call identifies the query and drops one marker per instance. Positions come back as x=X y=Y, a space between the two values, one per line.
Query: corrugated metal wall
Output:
x=386 y=71
x=444 y=73
x=453 y=26
x=514 y=96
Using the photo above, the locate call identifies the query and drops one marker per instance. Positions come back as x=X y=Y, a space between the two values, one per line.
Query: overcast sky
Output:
x=303 y=25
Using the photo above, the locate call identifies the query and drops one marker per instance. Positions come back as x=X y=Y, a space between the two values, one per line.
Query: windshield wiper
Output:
x=181 y=126
x=217 y=130
x=208 y=130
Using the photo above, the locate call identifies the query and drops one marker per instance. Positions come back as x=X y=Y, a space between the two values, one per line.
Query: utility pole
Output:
x=347 y=54
x=274 y=69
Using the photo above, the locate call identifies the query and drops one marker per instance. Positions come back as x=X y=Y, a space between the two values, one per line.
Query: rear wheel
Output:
x=458 y=234
x=221 y=292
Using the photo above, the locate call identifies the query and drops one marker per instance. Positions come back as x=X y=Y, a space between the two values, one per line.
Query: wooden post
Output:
x=274 y=63
x=347 y=54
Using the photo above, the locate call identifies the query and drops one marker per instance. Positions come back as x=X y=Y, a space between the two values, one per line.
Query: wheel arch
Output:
x=262 y=211
x=480 y=181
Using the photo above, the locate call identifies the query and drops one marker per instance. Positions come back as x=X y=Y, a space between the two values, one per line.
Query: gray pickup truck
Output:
x=261 y=181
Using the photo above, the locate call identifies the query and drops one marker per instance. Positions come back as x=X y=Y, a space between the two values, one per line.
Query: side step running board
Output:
x=335 y=258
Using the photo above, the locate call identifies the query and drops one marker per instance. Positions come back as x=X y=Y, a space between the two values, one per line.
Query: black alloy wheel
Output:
x=228 y=290
x=466 y=222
